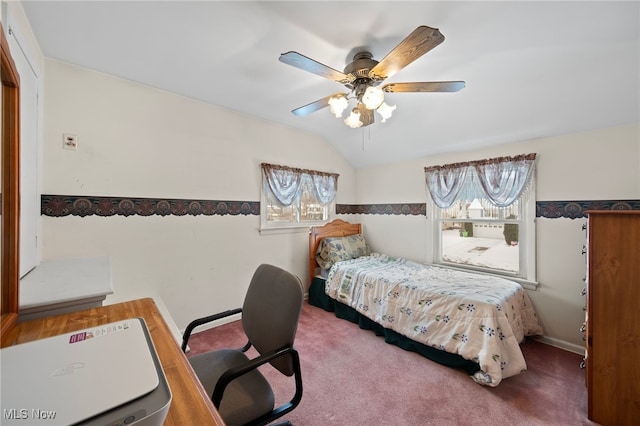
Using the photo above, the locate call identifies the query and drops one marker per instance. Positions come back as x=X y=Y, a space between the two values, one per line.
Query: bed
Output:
x=471 y=321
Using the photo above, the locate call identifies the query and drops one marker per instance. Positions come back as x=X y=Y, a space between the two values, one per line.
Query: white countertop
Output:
x=60 y=281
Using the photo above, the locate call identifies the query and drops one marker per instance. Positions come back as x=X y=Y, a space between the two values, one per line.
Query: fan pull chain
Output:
x=368 y=136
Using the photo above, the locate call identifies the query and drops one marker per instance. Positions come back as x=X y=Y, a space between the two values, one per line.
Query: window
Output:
x=296 y=197
x=305 y=209
x=478 y=234
x=483 y=215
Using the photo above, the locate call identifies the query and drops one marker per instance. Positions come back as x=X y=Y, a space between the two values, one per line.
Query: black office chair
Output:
x=270 y=314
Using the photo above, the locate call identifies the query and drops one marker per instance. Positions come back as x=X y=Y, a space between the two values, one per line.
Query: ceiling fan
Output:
x=364 y=74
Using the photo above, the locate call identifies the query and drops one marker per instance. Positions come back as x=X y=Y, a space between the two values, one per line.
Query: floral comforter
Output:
x=480 y=317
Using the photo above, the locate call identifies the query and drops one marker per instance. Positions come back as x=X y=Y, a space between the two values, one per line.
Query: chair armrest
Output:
x=253 y=364
x=204 y=320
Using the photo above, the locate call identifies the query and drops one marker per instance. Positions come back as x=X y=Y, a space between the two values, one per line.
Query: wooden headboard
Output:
x=336 y=228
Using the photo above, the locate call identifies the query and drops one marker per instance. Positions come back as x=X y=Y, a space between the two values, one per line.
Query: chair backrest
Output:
x=271 y=311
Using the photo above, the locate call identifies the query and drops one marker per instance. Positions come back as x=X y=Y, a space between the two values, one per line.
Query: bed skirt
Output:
x=318 y=298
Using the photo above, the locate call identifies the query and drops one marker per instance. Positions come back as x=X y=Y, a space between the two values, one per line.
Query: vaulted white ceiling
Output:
x=532 y=69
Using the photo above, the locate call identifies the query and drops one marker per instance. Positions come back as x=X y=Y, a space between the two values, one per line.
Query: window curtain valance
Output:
x=502 y=180
x=284 y=185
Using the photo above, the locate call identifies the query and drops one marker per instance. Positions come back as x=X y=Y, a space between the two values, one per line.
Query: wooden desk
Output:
x=190 y=403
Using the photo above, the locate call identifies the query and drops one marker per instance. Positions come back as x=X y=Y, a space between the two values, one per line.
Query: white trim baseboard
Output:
x=571 y=347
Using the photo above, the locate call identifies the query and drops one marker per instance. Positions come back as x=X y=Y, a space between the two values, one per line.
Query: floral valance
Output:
x=285 y=184
x=502 y=180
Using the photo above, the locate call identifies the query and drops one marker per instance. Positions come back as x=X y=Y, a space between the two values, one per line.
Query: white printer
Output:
x=102 y=376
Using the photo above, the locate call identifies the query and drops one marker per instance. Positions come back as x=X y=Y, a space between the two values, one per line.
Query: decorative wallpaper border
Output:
x=547 y=209
x=74 y=205
x=65 y=205
x=415 y=209
x=577 y=209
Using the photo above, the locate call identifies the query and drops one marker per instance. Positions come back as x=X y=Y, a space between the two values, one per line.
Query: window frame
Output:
x=266 y=225
x=526 y=275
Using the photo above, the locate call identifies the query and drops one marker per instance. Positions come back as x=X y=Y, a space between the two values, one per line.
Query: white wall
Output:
x=598 y=165
x=135 y=141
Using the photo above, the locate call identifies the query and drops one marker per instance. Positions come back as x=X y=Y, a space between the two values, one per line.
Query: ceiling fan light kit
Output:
x=364 y=74
x=338 y=104
x=385 y=111
x=353 y=120
x=373 y=97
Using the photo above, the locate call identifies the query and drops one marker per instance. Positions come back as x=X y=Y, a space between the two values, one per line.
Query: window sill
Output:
x=525 y=283
x=284 y=230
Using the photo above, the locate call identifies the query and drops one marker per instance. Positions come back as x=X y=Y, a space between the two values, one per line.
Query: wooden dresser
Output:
x=613 y=317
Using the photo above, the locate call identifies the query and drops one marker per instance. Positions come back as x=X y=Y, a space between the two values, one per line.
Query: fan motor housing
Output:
x=362 y=63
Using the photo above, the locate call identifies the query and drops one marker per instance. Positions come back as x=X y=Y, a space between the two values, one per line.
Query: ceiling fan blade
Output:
x=431 y=86
x=315 y=106
x=419 y=42
x=307 y=64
